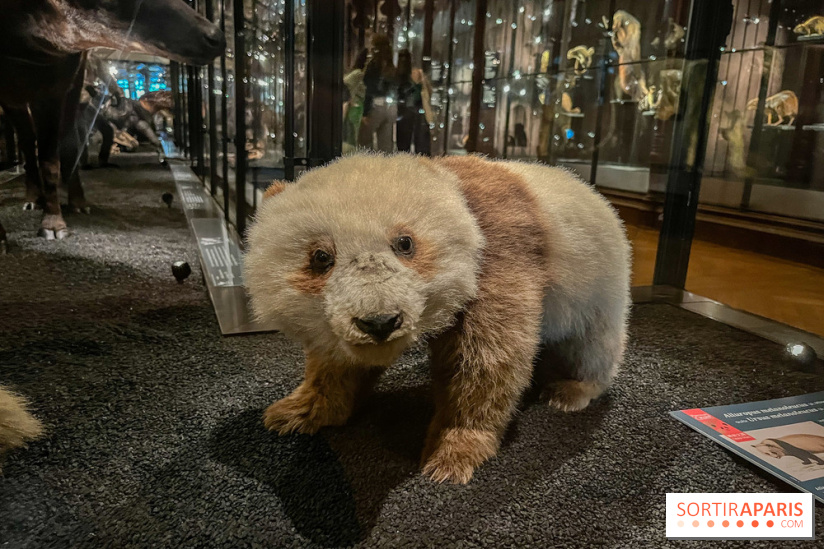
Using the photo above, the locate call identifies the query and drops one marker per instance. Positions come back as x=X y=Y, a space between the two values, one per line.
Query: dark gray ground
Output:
x=155 y=437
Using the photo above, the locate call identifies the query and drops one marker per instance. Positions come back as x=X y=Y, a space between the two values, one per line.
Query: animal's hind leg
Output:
x=3 y=242
x=23 y=123
x=71 y=148
x=580 y=368
x=47 y=118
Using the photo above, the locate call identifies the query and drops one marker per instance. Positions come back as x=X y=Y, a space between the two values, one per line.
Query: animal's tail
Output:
x=17 y=425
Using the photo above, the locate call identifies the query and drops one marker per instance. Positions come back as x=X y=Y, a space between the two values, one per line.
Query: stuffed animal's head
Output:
x=359 y=258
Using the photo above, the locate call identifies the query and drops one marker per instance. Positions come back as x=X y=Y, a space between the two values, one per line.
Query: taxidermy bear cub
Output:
x=488 y=261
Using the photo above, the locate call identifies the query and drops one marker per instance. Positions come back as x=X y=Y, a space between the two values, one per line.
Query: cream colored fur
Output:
x=587 y=302
x=17 y=425
x=357 y=200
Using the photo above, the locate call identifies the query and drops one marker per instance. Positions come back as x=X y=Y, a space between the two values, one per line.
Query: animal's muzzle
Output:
x=379 y=326
x=215 y=40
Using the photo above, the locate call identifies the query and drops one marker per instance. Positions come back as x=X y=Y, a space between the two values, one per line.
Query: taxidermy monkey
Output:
x=490 y=262
x=626 y=39
x=17 y=425
x=803 y=447
x=812 y=26
x=782 y=105
x=583 y=58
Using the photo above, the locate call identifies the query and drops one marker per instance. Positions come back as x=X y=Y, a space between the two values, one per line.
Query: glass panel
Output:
x=764 y=169
x=265 y=93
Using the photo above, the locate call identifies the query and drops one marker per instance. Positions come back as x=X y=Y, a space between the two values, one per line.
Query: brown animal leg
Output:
x=23 y=123
x=579 y=369
x=47 y=118
x=72 y=143
x=70 y=152
x=327 y=396
x=479 y=369
x=3 y=241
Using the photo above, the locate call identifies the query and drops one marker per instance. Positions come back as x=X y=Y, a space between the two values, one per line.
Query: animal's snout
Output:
x=379 y=326
x=215 y=39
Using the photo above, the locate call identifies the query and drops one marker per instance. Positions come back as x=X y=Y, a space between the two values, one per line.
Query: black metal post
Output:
x=709 y=24
x=184 y=111
x=325 y=47
x=210 y=15
x=450 y=51
x=289 y=100
x=478 y=58
x=177 y=112
x=428 y=22
x=241 y=75
x=224 y=117
x=198 y=109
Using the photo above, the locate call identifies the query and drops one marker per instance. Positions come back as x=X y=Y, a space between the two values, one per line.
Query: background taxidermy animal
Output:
x=781 y=106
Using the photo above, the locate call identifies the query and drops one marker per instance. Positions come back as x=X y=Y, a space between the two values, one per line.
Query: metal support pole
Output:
x=709 y=24
x=241 y=75
x=478 y=58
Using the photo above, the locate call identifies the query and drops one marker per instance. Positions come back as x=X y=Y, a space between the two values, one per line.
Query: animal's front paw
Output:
x=304 y=411
x=458 y=452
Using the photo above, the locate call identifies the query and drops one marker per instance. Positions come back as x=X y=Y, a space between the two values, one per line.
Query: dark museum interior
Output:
x=409 y=273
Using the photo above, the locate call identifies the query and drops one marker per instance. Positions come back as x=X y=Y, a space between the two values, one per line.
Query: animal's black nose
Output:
x=379 y=326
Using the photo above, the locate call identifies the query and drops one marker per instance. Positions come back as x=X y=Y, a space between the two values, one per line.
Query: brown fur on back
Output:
x=484 y=362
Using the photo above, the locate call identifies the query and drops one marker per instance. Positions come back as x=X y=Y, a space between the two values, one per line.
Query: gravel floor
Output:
x=155 y=439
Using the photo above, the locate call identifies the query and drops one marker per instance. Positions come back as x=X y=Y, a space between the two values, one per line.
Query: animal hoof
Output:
x=4 y=247
x=53 y=227
x=48 y=234
x=29 y=206
x=82 y=209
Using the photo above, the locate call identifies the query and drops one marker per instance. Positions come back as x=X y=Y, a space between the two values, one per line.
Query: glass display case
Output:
x=590 y=85
x=767 y=135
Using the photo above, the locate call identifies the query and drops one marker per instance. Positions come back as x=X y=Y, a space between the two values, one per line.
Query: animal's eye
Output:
x=404 y=245
x=322 y=261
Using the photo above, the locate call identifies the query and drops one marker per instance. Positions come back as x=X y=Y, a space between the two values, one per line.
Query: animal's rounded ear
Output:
x=275 y=188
